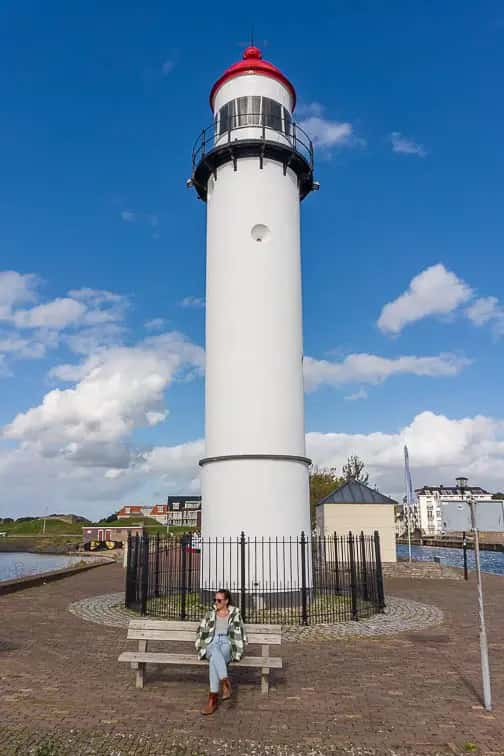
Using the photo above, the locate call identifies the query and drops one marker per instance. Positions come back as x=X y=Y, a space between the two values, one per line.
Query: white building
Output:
x=430 y=498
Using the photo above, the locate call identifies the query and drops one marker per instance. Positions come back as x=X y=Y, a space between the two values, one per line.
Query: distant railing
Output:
x=260 y=127
x=281 y=581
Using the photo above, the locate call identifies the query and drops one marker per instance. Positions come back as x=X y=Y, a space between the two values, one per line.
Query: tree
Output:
x=354 y=469
x=498 y=495
x=323 y=480
x=111 y=518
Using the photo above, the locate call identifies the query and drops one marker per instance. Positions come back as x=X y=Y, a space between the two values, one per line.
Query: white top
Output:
x=221 y=625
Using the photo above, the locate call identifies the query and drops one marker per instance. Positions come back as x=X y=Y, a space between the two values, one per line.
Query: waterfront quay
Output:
x=453 y=542
x=408 y=693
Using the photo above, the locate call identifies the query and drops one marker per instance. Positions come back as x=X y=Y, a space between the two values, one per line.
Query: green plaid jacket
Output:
x=237 y=634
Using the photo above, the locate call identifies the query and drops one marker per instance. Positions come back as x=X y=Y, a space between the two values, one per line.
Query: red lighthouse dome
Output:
x=253 y=63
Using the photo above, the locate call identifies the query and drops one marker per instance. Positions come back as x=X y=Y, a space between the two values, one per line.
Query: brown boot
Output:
x=226 y=689
x=211 y=705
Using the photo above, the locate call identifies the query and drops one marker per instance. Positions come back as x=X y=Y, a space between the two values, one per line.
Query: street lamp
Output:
x=485 y=667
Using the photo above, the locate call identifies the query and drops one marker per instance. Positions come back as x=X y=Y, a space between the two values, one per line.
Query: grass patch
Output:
x=321 y=609
x=35 y=527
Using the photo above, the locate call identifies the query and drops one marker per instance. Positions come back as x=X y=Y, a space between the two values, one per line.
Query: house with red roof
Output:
x=130 y=511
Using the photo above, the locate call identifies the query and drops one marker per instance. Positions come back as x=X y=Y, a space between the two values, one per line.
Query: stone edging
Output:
x=39 y=578
x=401 y=615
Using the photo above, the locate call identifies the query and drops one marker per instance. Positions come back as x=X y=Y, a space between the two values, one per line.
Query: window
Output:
x=253 y=111
x=249 y=111
x=226 y=117
x=287 y=122
x=272 y=114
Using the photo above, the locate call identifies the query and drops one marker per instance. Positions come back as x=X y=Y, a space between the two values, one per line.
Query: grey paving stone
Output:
x=400 y=615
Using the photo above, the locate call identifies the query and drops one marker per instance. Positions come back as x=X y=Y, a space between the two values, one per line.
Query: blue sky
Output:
x=101 y=104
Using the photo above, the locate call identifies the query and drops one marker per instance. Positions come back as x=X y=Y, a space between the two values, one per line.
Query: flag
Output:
x=410 y=494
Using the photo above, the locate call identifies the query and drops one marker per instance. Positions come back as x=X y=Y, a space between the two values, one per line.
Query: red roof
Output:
x=159 y=509
x=253 y=63
x=131 y=509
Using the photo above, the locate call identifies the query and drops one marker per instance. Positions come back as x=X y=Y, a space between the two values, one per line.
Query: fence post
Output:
x=365 y=592
x=243 y=608
x=353 y=580
x=379 y=573
x=183 y=587
x=156 y=568
x=135 y=570
x=127 y=593
x=189 y=569
x=464 y=548
x=336 y=562
x=145 y=574
x=304 y=605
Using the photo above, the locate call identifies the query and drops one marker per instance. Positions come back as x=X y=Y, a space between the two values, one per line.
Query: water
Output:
x=14 y=564
x=491 y=561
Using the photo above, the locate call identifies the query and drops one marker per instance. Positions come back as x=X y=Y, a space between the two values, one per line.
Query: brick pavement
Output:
x=417 y=693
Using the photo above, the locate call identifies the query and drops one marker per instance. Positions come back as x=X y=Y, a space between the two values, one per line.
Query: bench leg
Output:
x=265 y=672
x=140 y=669
x=140 y=675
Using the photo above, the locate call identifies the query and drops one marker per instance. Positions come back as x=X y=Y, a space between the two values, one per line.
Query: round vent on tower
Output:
x=260 y=233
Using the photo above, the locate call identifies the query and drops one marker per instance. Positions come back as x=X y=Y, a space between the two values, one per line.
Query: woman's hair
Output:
x=226 y=594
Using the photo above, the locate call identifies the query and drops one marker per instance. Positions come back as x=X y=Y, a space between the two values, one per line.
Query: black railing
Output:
x=261 y=127
x=305 y=580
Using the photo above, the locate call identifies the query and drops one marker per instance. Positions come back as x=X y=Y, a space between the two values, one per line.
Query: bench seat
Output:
x=144 y=631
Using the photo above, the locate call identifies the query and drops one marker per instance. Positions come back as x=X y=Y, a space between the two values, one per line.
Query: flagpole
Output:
x=408 y=485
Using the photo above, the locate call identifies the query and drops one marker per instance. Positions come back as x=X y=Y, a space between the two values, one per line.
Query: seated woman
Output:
x=220 y=638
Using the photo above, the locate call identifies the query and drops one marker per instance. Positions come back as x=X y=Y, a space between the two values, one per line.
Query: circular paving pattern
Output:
x=400 y=615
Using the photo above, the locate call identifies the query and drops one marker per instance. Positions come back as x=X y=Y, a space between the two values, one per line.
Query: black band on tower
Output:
x=281 y=457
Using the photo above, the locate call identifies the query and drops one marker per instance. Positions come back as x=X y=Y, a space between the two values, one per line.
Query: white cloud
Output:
x=434 y=291
x=21 y=348
x=487 y=310
x=440 y=449
x=405 y=146
x=128 y=216
x=89 y=340
x=156 y=324
x=118 y=390
x=16 y=288
x=175 y=463
x=84 y=320
x=361 y=394
x=324 y=132
x=58 y=314
x=196 y=302
x=372 y=369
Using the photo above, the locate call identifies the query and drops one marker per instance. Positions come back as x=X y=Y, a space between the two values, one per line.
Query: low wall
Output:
x=30 y=581
x=421 y=570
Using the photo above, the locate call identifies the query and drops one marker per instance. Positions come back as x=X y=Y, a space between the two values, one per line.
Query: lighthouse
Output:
x=252 y=167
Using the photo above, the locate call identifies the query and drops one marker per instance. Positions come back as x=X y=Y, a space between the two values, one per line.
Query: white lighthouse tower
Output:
x=252 y=167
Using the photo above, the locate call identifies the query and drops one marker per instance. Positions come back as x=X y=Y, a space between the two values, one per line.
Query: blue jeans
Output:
x=218 y=654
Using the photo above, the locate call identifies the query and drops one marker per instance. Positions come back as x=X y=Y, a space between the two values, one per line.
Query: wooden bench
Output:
x=145 y=630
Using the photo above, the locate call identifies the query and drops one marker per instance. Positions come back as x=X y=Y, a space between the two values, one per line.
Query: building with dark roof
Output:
x=184 y=511
x=356 y=507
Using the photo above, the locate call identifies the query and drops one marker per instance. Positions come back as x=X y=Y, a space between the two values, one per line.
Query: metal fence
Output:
x=305 y=580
